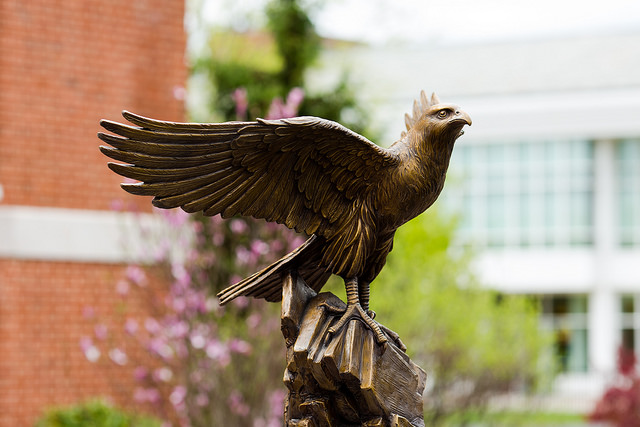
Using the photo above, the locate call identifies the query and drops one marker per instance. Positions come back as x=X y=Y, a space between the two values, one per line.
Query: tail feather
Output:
x=267 y=283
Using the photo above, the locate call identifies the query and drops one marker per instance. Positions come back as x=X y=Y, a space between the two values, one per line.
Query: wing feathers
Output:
x=160 y=162
x=168 y=188
x=162 y=148
x=146 y=135
x=202 y=196
x=151 y=175
x=153 y=124
x=305 y=172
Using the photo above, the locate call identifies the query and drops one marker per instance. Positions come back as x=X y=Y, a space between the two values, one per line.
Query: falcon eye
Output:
x=443 y=113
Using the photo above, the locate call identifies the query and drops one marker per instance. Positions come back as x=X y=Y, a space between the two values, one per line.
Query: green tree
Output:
x=296 y=39
x=268 y=65
x=95 y=413
x=473 y=342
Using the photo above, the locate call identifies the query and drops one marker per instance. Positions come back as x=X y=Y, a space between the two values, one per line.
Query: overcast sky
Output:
x=382 y=21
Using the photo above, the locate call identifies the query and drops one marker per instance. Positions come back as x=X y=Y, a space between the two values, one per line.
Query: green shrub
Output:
x=95 y=413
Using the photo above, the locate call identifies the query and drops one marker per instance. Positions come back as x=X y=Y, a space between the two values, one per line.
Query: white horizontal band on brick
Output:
x=56 y=234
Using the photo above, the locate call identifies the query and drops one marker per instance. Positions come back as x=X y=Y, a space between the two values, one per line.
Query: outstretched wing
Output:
x=305 y=172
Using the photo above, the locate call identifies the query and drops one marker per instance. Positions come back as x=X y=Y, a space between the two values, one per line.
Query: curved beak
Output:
x=463 y=117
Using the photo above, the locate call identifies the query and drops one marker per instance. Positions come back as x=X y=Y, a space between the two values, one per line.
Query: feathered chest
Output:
x=409 y=190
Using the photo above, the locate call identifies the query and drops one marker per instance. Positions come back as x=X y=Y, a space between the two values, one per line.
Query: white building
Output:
x=547 y=179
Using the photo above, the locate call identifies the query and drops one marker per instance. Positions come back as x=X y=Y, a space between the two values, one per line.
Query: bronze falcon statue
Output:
x=310 y=174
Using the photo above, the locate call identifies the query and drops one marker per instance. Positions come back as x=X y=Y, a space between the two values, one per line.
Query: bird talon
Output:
x=332 y=308
x=395 y=337
x=356 y=312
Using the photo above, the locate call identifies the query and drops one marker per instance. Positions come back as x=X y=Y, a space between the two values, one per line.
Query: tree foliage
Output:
x=269 y=65
x=620 y=404
x=296 y=39
x=473 y=342
x=196 y=363
x=95 y=413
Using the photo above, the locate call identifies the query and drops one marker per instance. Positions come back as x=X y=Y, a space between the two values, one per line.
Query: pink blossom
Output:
x=276 y=109
x=197 y=341
x=276 y=401
x=179 y=329
x=163 y=374
x=118 y=356
x=238 y=226
x=176 y=218
x=160 y=348
x=237 y=404
x=280 y=110
x=131 y=326
x=254 y=320
x=276 y=245
x=243 y=255
x=116 y=205
x=241 y=302
x=196 y=302
x=271 y=422
x=151 y=325
x=217 y=238
x=144 y=395
x=180 y=349
x=92 y=354
x=179 y=92
x=202 y=400
x=181 y=275
x=294 y=99
x=178 y=304
x=140 y=373
x=259 y=247
x=198 y=375
x=122 y=287
x=85 y=343
x=161 y=252
x=136 y=275
x=211 y=306
x=198 y=227
x=237 y=345
x=241 y=99
x=219 y=352
x=295 y=242
x=178 y=394
x=100 y=331
x=88 y=312
x=90 y=351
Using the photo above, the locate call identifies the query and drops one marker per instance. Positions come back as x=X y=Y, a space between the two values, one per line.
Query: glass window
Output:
x=530 y=193
x=566 y=316
x=630 y=322
x=628 y=186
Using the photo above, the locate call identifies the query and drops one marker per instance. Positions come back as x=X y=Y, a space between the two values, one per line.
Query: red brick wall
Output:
x=64 y=65
x=42 y=319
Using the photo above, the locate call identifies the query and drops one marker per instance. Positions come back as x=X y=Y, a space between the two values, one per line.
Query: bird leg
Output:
x=363 y=288
x=363 y=291
x=355 y=311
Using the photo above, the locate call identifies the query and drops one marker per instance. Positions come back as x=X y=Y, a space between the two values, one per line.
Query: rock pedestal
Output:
x=346 y=378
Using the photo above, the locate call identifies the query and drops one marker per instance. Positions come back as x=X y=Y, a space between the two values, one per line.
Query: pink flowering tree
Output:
x=619 y=406
x=194 y=362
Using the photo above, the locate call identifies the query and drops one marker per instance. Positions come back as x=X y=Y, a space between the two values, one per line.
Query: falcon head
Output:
x=433 y=119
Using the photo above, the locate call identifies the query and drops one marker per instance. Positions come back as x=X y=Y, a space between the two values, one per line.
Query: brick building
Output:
x=64 y=65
